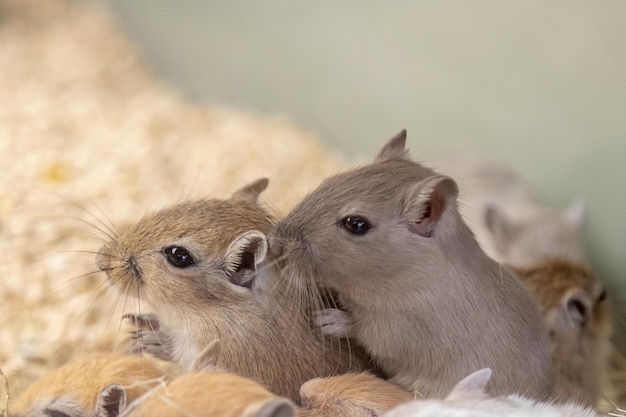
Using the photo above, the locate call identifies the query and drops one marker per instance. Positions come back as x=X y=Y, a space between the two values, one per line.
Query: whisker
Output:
x=112 y=228
x=76 y=278
x=84 y=209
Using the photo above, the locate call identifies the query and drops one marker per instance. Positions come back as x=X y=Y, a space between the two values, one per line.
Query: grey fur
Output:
x=423 y=299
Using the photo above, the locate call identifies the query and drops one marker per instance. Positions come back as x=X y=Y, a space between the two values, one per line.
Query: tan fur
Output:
x=579 y=352
x=269 y=342
x=422 y=298
x=209 y=391
x=79 y=382
x=350 y=395
x=205 y=394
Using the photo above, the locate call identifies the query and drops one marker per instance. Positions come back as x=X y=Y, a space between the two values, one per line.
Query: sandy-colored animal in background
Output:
x=350 y=395
x=510 y=223
x=469 y=399
x=96 y=385
x=576 y=311
x=195 y=264
x=421 y=297
x=210 y=392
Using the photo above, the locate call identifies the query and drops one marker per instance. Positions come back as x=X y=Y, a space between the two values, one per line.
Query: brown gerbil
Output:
x=210 y=392
x=421 y=297
x=350 y=395
x=97 y=385
x=576 y=311
x=195 y=264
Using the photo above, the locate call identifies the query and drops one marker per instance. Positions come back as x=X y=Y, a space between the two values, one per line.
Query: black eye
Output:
x=602 y=296
x=356 y=225
x=178 y=256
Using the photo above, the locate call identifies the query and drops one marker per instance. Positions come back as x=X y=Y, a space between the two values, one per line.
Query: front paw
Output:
x=147 y=321
x=155 y=342
x=333 y=322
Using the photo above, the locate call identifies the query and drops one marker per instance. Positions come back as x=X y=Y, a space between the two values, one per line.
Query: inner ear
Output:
x=111 y=401
x=576 y=308
x=243 y=256
x=246 y=263
x=426 y=202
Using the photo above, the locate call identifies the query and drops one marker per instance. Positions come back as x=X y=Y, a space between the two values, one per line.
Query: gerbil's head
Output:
x=208 y=391
x=352 y=395
x=526 y=241
x=97 y=386
x=572 y=298
x=205 y=250
x=576 y=311
x=368 y=222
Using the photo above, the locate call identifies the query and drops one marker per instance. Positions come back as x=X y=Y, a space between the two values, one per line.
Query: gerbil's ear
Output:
x=111 y=401
x=426 y=201
x=394 y=148
x=243 y=256
x=474 y=383
x=251 y=192
x=576 y=307
x=576 y=213
x=207 y=359
x=500 y=226
x=279 y=407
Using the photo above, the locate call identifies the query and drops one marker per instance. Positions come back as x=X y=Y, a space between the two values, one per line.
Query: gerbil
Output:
x=576 y=311
x=421 y=297
x=99 y=386
x=210 y=392
x=468 y=399
x=195 y=264
x=510 y=223
x=350 y=395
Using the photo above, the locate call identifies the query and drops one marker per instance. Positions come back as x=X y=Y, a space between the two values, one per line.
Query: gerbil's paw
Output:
x=332 y=322
x=154 y=342
x=148 y=321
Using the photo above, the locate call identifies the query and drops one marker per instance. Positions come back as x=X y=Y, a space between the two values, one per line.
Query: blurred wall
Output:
x=540 y=84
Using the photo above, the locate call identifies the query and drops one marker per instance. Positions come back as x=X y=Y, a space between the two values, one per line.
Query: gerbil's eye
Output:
x=602 y=296
x=178 y=256
x=356 y=225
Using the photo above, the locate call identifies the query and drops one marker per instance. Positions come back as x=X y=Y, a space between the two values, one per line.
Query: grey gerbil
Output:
x=421 y=297
x=195 y=263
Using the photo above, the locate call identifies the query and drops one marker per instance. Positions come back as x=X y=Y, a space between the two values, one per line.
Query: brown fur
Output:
x=270 y=342
x=422 y=298
x=209 y=391
x=579 y=333
x=74 y=387
x=350 y=395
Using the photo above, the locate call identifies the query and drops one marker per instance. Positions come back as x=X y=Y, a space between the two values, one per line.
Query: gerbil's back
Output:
x=205 y=394
x=77 y=384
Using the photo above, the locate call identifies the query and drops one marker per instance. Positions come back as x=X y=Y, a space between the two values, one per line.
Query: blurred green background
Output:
x=540 y=84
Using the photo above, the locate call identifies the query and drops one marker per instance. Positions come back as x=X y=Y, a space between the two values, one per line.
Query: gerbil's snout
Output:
x=275 y=247
x=103 y=258
x=281 y=248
